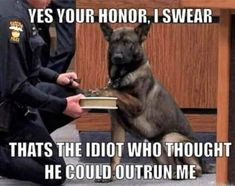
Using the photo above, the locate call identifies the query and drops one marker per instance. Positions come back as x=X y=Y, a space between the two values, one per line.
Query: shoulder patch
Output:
x=16 y=28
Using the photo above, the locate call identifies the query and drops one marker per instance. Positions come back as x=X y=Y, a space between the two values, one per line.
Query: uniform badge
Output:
x=16 y=28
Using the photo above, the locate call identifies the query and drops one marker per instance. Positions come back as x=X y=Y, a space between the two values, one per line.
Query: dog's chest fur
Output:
x=158 y=112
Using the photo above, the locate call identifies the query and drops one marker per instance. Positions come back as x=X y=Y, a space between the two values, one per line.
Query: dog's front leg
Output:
x=129 y=104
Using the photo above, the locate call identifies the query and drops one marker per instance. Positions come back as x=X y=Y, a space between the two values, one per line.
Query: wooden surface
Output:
x=231 y=127
x=95 y=4
x=91 y=63
x=101 y=122
x=94 y=122
x=223 y=93
x=184 y=58
x=149 y=5
x=223 y=4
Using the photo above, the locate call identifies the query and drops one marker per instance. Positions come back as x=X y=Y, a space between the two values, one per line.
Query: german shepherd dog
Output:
x=145 y=108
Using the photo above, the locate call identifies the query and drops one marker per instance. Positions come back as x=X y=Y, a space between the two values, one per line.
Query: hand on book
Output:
x=73 y=108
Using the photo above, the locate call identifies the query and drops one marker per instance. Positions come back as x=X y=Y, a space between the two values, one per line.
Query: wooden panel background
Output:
x=183 y=57
x=149 y=5
x=101 y=122
x=223 y=93
x=223 y=4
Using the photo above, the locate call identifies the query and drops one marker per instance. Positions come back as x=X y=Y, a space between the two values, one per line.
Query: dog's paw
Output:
x=115 y=84
x=92 y=93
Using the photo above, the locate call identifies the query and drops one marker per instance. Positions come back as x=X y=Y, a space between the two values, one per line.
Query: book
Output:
x=98 y=103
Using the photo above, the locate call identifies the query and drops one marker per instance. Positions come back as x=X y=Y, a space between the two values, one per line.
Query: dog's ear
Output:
x=142 y=31
x=107 y=30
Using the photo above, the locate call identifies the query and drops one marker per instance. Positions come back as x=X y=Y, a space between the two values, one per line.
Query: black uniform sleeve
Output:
x=15 y=66
x=30 y=95
x=48 y=75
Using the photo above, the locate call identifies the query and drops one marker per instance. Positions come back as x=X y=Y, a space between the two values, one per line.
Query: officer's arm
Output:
x=48 y=75
x=14 y=71
x=31 y=96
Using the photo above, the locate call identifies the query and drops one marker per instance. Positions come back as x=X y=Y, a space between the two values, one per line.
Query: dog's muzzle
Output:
x=117 y=59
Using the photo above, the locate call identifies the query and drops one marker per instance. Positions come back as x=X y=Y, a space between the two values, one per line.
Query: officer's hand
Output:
x=66 y=79
x=73 y=108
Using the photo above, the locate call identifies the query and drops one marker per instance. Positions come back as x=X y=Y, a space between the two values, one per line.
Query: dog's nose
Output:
x=117 y=57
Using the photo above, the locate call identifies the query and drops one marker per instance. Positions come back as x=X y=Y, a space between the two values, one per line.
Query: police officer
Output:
x=61 y=58
x=30 y=108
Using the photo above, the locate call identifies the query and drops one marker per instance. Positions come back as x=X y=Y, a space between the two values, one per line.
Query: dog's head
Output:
x=125 y=43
